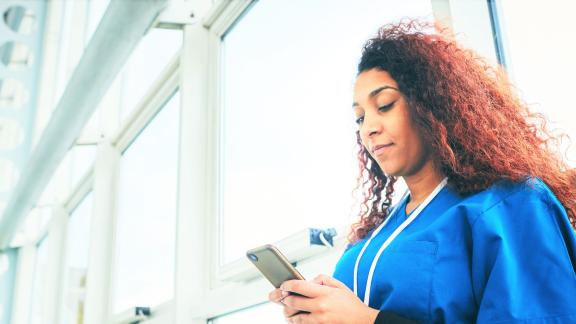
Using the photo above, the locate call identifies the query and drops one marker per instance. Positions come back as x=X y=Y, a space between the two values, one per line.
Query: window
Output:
x=145 y=242
x=76 y=267
x=288 y=142
x=96 y=10
x=64 y=66
x=38 y=286
x=8 y=260
x=81 y=161
x=145 y=65
x=541 y=59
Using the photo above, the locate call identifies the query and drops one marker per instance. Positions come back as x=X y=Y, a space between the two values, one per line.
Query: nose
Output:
x=371 y=126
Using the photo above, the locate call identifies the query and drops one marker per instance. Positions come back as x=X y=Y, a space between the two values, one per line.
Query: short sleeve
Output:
x=524 y=260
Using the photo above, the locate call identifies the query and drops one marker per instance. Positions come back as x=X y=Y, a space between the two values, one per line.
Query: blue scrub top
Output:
x=504 y=255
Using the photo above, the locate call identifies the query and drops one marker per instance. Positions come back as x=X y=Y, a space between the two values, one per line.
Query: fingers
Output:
x=300 y=318
x=289 y=312
x=329 y=281
x=276 y=296
x=300 y=303
x=305 y=288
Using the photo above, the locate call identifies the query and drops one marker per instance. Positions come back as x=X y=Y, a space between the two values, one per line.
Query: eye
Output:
x=386 y=107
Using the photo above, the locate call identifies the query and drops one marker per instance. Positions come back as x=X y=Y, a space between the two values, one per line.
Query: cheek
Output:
x=363 y=141
x=418 y=149
x=408 y=140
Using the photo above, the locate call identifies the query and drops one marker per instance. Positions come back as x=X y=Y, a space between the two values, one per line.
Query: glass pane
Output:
x=64 y=66
x=261 y=314
x=38 y=287
x=77 y=162
x=16 y=56
x=146 y=63
x=147 y=214
x=96 y=9
x=8 y=261
x=541 y=60
x=82 y=160
x=20 y=19
x=289 y=153
x=76 y=268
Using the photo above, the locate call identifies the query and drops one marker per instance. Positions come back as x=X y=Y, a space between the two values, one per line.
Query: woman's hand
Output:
x=277 y=296
x=325 y=299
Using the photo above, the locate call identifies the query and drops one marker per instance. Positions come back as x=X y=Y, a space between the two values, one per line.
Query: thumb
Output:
x=329 y=281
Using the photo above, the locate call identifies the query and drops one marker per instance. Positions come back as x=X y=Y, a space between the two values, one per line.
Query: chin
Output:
x=394 y=174
x=391 y=170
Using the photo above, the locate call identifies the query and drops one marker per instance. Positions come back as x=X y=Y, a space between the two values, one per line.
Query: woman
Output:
x=485 y=233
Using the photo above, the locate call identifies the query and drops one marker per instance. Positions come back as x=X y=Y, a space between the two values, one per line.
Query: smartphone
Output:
x=273 y=265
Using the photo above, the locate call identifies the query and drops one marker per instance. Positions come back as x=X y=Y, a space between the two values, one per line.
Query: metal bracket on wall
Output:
x=177 y=14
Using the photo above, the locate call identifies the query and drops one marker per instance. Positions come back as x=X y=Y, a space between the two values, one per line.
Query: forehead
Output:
x=370 y=80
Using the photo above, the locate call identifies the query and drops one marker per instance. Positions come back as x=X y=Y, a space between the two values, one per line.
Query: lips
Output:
x=381 y=148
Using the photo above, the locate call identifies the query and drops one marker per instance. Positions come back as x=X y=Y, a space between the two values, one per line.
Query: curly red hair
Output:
x=467 y=112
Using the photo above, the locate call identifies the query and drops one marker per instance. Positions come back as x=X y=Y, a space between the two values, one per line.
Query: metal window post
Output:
x=55 y=268
x=24 y=283
x=102 y=234
x=192 y=273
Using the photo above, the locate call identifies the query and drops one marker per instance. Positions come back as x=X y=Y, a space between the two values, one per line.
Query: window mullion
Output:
x=195 y=175
x=103 y=224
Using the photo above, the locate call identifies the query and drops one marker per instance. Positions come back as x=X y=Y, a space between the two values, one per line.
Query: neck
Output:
x=423 y=182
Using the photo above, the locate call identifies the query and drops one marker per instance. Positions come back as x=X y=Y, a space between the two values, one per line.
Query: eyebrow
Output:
x=375 y=92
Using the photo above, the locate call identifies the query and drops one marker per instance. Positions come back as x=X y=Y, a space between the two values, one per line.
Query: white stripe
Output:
x=389 y=240
x=370 y=239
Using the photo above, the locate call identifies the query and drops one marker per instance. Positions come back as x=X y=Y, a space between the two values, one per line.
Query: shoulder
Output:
x=523 y=249
x=506 y=197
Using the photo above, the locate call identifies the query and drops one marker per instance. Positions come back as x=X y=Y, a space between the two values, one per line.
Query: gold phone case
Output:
x=273 y=265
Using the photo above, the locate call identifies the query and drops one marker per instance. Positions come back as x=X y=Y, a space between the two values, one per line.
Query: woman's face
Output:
x=385 y=126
